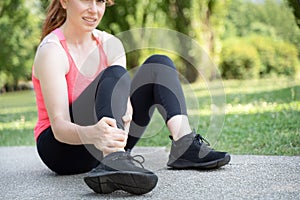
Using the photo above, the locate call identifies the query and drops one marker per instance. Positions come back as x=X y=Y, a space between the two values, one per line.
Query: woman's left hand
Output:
x=128 y=116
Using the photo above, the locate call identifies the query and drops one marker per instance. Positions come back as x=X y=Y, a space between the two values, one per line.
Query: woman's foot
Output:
x=190 y=151
x=118 y=172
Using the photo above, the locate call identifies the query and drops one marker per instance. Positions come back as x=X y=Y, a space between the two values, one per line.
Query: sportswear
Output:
x=76 y=81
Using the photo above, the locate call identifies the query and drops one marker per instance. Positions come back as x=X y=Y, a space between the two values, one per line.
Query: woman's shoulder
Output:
x=106 y=37
x=50 y=52
x=51 y=38
x=113 y=48
x=50 y=46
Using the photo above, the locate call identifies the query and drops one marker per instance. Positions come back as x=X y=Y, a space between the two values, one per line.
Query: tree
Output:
x=295 y=5
x=130 y=14
x=211 y=20
x=200 y=20
x=265 y=19
x=19 y=37
x=269 y=18
x=44 y=4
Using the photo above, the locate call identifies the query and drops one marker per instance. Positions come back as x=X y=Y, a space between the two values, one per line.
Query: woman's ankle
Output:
x=179 y=126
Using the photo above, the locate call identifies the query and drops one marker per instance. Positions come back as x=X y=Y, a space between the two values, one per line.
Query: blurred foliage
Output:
x=239 y=60
x=258 y=56
x=295 y=5
x=211 y=23
x=270 y=28
x=277 y=58
x=19 y=36
x=269 y=18
x=196 y=19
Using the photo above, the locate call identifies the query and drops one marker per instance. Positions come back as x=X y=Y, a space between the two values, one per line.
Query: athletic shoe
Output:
x=191 y=151
x=118 y=172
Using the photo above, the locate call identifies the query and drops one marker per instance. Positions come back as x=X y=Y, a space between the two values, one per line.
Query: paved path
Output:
x=24 y=176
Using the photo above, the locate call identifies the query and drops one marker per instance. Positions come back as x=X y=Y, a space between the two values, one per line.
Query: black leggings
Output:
x=155 y=84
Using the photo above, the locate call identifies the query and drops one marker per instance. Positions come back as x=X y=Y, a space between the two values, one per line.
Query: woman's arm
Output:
x=50 y=67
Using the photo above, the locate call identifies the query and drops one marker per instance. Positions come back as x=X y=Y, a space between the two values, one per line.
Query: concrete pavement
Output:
x=24 y=176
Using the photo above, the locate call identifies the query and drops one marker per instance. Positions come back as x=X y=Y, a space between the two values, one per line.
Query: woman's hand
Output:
x=108 y=137
x=128 y=116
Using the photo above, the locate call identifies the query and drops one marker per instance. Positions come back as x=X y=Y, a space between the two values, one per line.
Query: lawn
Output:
x=242 y=117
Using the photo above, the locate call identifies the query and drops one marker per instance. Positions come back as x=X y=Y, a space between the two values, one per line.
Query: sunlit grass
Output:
x=249 y=117
x=17 y=118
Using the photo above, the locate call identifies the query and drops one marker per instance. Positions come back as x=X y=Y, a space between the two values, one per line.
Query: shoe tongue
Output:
x=180 y=146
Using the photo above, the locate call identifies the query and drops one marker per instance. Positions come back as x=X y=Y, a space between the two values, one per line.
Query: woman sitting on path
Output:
x=90 y=114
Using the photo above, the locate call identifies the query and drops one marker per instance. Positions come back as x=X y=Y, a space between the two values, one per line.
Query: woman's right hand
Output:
x=107 y=137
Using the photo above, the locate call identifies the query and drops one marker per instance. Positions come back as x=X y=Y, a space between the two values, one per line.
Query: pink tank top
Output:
x=76 y=82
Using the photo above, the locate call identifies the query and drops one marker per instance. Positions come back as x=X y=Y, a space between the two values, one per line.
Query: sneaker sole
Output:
x=131 y=182
x=185 y=164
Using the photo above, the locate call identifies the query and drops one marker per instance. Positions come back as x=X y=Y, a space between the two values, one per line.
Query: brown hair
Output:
x=56 y=16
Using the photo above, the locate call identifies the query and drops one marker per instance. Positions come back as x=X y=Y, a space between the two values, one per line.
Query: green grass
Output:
x=258 y=117
x=17 y=118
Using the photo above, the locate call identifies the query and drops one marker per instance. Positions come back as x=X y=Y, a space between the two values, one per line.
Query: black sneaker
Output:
x=118 y=172
x=190 y=151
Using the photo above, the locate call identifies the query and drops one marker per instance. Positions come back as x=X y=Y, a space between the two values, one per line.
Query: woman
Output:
x=90 y=112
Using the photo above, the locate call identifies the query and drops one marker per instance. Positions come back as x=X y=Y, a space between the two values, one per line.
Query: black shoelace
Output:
x=198 y=137
x=134 y=158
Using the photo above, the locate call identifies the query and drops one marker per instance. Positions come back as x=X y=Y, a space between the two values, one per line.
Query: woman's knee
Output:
x=115 y=71
x=115 y=74
x=160 y=59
